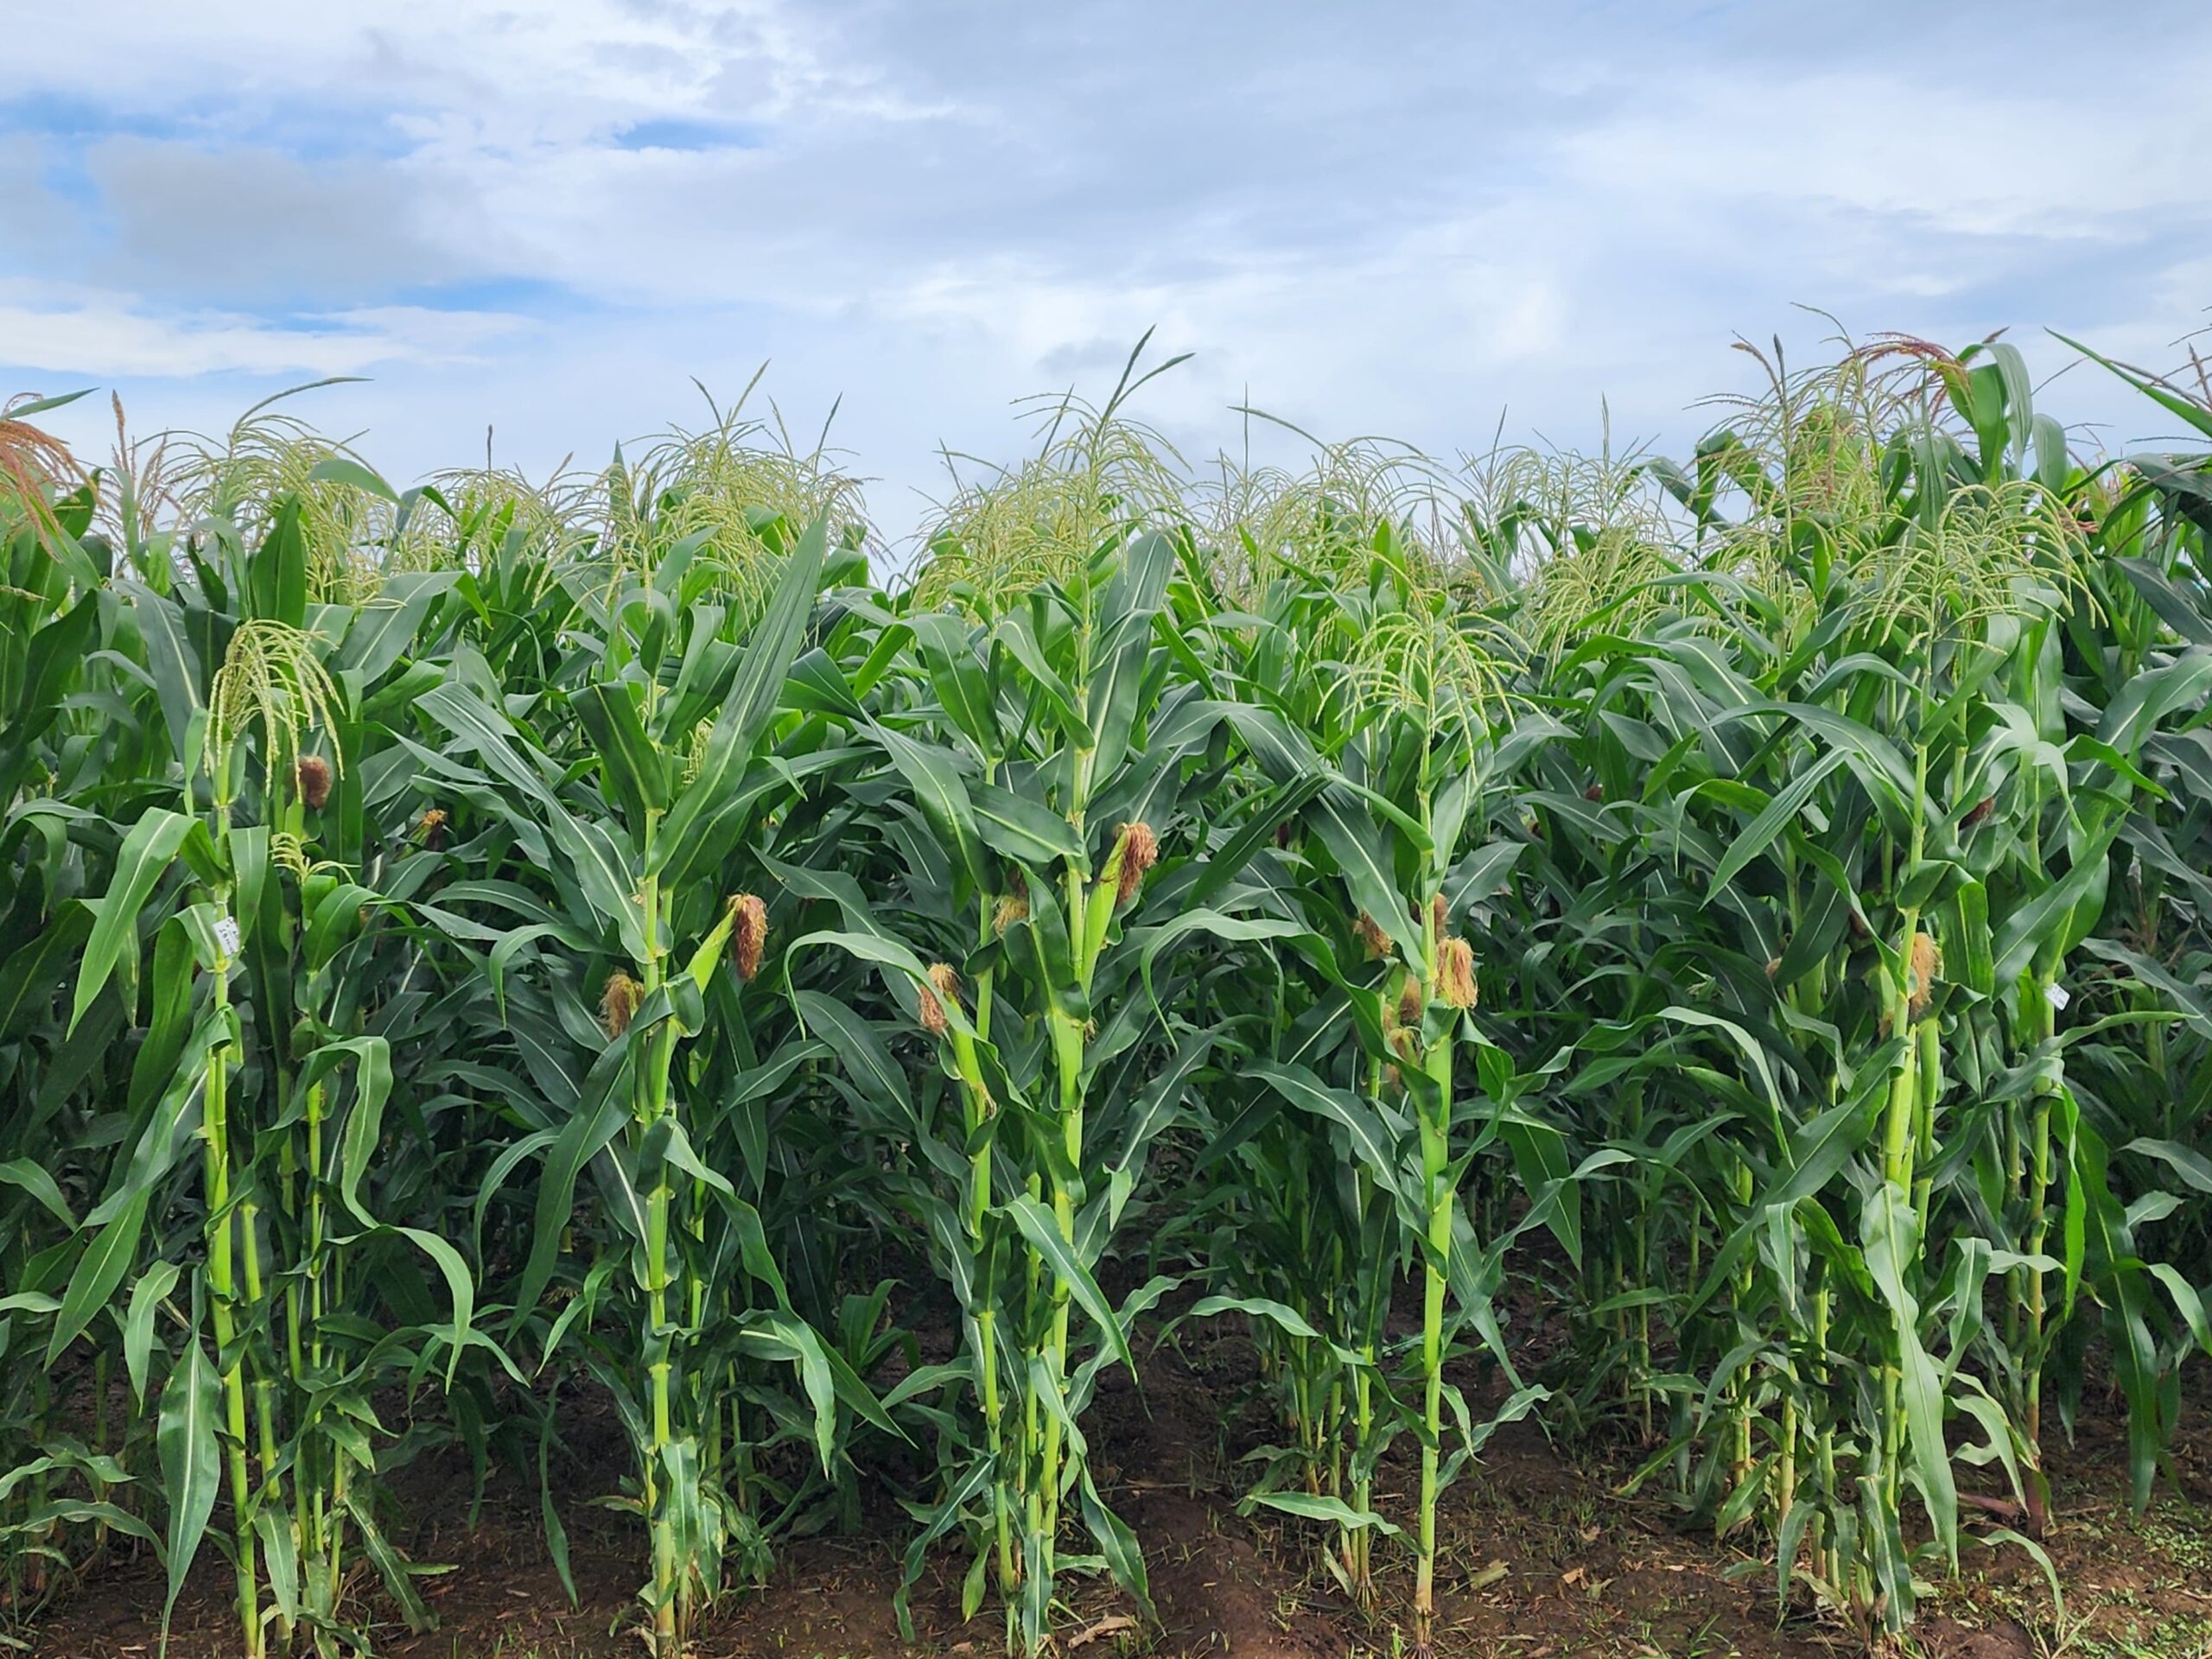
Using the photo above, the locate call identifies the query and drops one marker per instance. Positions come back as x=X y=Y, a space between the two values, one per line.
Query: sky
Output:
x=1436 y=222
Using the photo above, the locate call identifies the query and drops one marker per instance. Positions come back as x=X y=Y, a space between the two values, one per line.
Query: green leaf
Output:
x=2148 y=697
x=581 y=1140
x=57 y=651
x=387 y=628
x=342 y=469
x=860 y=1050
x=34 y=1179
x=1371 y=1139
x=1820 y=1148
x=1334 y=1511
x=636 y=774
x=1779 y=815
x=2188 y=1302
x=460 y=1286
x=942 y=794
x=277 y=571
x=107 y=1259
x=391 y=1566
x=2194 y=1167
x=556 y=1536
x=947 y=645
x=1361 y=847
x=34 y=970
x=1749 y=1046
x=191 y=1462
x=1890 y=1237
x=1043 y=1233
x=2032 y=926
x=146 y=854
x=681 y=849
x=173 y=662
x=1124 y=1558
x=600 y=868
x=1018 y=631
x=780 y=1336
x=1024 y=831
x=1258 y=1308
x=23 y=411
x=280 y=1560
x=146 y=1297
x=2197 y=417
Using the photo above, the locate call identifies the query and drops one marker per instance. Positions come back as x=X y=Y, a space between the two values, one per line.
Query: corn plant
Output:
x=672 y=711
x=471 y=950
x=1390 y=816
x=1063 y=736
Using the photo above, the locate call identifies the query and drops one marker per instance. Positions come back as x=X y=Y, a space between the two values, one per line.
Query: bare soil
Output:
x=1540 y=1558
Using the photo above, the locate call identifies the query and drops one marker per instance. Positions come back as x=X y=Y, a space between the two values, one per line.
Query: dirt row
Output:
x=1541 y=1556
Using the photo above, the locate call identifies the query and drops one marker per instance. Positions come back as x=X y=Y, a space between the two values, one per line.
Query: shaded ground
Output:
x=1539 y=1559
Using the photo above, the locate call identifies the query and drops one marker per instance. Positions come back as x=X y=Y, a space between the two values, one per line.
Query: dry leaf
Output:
x=1107 y=1626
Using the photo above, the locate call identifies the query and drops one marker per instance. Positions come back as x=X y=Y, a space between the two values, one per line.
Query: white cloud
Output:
x=112 y=337
x=468 y=73
x=1401 y=219
x=248 y=222
x=1916 y=143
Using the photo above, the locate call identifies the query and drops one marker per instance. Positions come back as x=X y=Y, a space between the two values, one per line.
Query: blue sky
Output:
x=1415 y=221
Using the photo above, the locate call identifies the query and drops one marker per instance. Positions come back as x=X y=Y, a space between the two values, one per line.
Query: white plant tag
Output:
x=2059 y=996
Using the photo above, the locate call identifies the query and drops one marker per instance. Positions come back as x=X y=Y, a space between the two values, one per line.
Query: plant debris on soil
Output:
x=1541 y=1557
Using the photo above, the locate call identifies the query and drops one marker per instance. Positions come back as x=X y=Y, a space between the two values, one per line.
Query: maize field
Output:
x=485 y=952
